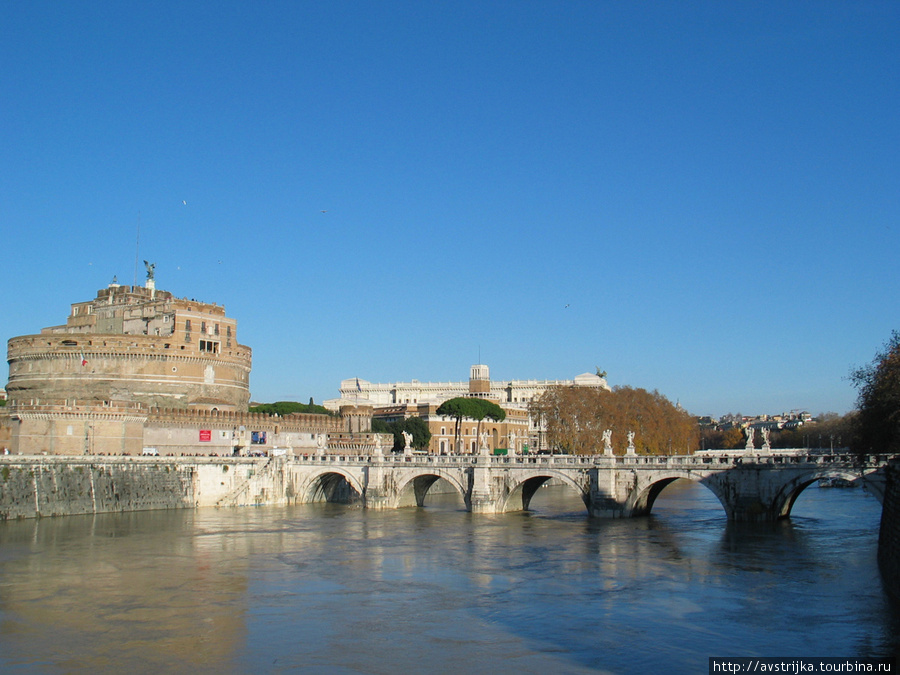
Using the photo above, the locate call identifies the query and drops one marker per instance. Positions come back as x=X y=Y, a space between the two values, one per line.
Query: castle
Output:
x=138 y=345
x=137 y=370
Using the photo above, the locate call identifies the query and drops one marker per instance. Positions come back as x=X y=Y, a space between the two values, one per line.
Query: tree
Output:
x=575 y=418
x=421 y=436
x=732 y=438
x=418 y=427
x=486 y=409
x=282 y=408
x=470 y=408
x=877 y=424
x=457 y=408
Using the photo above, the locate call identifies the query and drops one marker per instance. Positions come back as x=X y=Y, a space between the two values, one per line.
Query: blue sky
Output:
x=700 y=198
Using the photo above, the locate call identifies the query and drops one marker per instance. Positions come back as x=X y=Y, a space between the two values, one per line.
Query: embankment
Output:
x=33 y=487
x=889 y=536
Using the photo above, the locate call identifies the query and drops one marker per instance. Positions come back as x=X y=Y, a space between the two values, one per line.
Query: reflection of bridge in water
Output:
x=751 y=486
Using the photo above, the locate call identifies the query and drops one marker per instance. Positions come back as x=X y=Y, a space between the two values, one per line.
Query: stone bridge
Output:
x=752 y=487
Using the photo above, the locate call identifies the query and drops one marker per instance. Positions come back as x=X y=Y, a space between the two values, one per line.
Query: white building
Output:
x=508 y=393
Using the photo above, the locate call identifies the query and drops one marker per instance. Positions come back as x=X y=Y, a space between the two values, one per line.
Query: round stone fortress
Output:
x=134 y=344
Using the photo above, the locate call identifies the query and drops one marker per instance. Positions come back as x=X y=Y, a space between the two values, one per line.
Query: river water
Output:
x=330 y=588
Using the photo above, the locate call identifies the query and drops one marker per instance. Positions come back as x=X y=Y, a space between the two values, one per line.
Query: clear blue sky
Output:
x=700 y=198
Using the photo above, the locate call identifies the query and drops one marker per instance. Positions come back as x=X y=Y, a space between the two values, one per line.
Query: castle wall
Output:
x=142 y=368
x=224 y=433
x=73 y=428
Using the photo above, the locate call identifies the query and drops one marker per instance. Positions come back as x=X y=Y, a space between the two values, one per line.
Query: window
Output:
x=209 y=346
x=203 y=327
x=187 y=325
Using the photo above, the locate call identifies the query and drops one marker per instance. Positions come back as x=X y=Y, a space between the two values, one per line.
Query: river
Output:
x=329 y=588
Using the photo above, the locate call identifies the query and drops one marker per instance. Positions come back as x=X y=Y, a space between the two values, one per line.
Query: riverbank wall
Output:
x=889 y=535
x=35 y=487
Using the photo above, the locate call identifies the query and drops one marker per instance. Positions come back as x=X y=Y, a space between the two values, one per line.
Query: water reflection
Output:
x=339 y=589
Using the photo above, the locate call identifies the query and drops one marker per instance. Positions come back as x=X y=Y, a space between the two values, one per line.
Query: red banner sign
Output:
x=205 y=435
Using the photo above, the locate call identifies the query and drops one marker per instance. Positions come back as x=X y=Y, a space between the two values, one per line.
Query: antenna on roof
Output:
x=137 y=246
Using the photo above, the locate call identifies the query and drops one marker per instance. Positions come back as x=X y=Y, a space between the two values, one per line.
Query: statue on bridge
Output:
x=407 y=442
x=483 y=447
x=751 y=432
x=630 y=449
x=607 y=442
x=765 y=435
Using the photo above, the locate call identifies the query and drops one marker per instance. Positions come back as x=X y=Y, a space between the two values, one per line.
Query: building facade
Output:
x=518 y=433
x=508 y=393
x=511 y=436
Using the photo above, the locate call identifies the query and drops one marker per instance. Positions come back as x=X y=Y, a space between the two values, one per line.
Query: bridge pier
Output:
x=380 y=488
x=609 y=490
x=484 y=497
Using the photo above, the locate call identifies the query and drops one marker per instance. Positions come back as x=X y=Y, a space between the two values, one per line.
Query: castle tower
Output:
x=137 y=345
x=480 y=381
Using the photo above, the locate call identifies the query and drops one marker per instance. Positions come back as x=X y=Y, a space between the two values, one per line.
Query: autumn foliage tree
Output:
x=575 y=418
x=878 y=420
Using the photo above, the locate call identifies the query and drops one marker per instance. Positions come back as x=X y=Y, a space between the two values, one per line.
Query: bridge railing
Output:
x=708 y=458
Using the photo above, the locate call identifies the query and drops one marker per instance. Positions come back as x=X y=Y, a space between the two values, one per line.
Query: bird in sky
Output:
x=184 y=201
x=566 y=307
x=324 y=210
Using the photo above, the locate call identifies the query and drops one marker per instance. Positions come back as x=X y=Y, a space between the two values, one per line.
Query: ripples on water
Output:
x=337 y=589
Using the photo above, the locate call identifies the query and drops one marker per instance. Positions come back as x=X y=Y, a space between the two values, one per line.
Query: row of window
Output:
x=215 y=328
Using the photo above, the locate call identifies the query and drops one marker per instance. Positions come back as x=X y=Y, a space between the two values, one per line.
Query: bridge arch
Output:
x=520 y=492
x=646 y=490
x=413 y=489
x=329 y=484
x=788 y=494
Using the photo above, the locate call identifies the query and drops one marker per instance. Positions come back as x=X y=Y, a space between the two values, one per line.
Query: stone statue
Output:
x=407 y=439
x=484 y=440
x=320 y=444
x=751 y=432
x=511 y=442
x=630 y=448
x=150 y=270
x=765 y=437
x=607 y=442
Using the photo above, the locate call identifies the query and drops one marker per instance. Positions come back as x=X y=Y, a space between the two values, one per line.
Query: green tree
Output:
x=456 y=408
x=282 y=408
x=471 y=408
x=486 y=410
x=877 y=424
x=418 y=427
x=421 y=436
